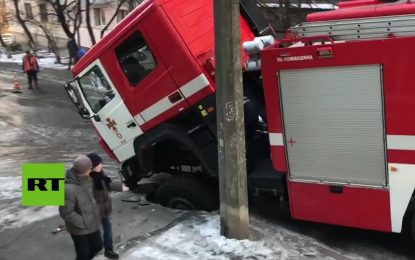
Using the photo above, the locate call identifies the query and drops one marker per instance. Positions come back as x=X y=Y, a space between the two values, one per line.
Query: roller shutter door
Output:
x=333 y=121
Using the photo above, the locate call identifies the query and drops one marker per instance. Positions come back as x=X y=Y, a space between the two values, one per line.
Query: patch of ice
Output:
x=14 y=215
x=10 y=187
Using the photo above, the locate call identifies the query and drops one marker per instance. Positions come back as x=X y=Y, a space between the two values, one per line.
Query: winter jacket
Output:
x=101 y=194
x=80 y=212
x=30 y=63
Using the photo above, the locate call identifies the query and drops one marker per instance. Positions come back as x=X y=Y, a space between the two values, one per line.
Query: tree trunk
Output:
x=60 y=13
x=70 y=62
x=287 y=18
x=121 y=2
x=88 y=21
x=73 y=51
x=22 y=23
x=55 y=50
x=53 y=46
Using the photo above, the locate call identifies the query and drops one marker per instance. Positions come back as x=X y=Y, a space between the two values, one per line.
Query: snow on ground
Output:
x=200 y=241
x=45 y=59
x=199 y=238
x=12 y=213
x=10 y=188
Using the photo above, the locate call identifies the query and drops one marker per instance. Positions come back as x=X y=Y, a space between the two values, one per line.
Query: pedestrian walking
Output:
x=102 y=185
x=31 y=68
x=81 y=212
x=73 y=51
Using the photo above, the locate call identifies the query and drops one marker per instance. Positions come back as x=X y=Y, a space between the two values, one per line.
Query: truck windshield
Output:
x=96 y=89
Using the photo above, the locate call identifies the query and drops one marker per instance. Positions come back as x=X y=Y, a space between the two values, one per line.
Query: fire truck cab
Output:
x=148 y=88
x=330 y=124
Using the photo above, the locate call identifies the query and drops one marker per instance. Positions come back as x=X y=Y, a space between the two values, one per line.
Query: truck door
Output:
x=111 y=118
x=150 y=89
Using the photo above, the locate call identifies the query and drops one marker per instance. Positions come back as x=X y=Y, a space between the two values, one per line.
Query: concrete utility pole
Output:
x=230 y=120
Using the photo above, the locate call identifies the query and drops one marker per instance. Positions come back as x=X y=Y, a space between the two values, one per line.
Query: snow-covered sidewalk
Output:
x=46 y=60
x=198 y=237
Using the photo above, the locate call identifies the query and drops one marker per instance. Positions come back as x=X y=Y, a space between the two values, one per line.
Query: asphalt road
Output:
x=43 y=126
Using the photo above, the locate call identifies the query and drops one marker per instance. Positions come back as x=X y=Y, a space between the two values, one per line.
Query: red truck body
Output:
x=179 y=36
x=339 y=147
x=315 y=201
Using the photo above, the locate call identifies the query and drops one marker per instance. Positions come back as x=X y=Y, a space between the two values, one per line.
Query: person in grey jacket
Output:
x=81 y=212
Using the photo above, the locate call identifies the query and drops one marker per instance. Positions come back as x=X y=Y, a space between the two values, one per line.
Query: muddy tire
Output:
x=187 y=192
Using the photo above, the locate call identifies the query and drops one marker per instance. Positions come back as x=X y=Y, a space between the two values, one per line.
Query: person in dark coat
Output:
x=102 y=185
x=81 y=212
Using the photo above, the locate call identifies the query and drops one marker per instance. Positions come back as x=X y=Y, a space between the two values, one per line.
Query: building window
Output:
x=121 y=14
x=99 y=17
x=43 y=12
x=135 y=58
x=28 y=11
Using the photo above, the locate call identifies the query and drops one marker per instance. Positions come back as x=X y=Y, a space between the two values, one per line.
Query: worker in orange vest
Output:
x=31 y=68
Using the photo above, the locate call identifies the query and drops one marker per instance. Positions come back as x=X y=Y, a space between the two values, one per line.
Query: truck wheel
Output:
x=187 y=192
x=411 y=231
x=130 y=173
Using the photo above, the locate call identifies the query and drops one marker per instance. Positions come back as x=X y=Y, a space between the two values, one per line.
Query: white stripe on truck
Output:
x=401 y=142
x=276 y=139
x=194 y=86
x=187 y=90
x=395 y=142
x=156 y=109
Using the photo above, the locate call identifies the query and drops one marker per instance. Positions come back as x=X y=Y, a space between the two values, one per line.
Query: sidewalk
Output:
x=153 y=232
x=132 y=224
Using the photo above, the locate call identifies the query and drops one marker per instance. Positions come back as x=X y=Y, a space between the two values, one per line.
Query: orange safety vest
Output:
x=30 y=63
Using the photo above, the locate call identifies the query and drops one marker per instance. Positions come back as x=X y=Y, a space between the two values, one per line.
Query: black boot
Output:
x=109 y=252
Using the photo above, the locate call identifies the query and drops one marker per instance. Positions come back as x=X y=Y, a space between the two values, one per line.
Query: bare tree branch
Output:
x=22 y=23
x=49 y=36
x=115 y=14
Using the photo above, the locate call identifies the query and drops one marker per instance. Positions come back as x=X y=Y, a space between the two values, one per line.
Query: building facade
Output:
x=40 y=16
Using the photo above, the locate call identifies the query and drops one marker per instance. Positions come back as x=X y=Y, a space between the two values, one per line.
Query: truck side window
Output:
x=135 y=58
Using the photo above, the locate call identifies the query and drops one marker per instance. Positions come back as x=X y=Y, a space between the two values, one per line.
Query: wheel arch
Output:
x=143 y=147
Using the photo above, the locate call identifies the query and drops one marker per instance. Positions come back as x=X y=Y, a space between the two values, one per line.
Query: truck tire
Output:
x=187 y=192
x=411 y=232
x=130 y=172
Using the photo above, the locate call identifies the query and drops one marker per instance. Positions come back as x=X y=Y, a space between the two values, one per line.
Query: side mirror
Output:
x=97 y=118
x=84 y=113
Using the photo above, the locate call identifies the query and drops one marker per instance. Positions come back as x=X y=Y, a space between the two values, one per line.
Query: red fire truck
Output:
x=330 y=118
